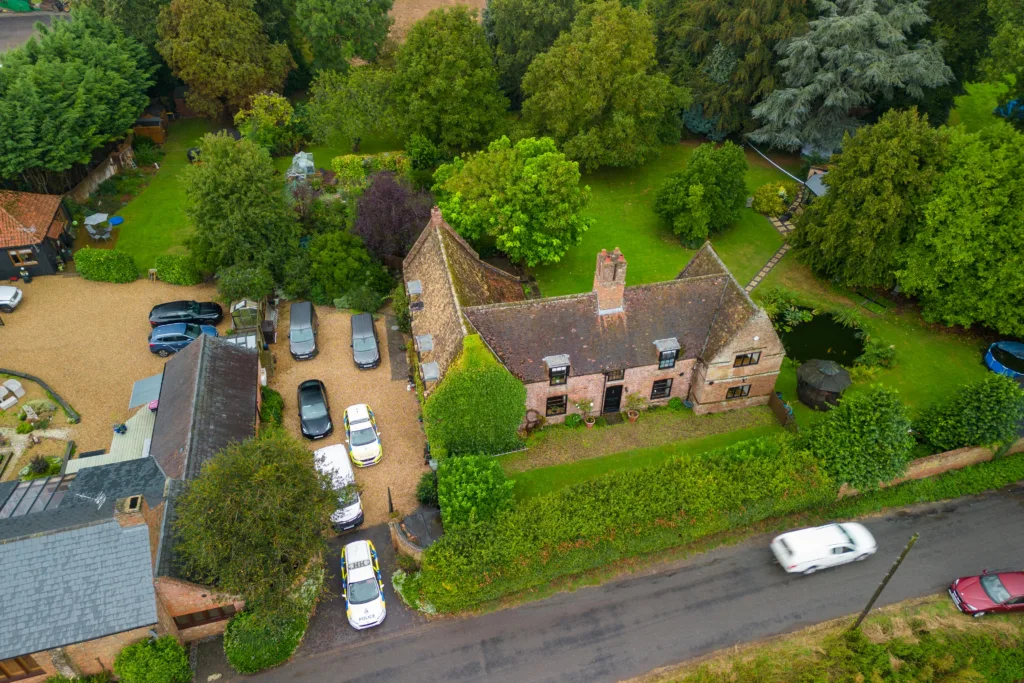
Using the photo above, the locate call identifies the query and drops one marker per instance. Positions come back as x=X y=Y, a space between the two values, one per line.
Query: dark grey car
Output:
x=364 y=342
x=302 y=331
x=314 y=410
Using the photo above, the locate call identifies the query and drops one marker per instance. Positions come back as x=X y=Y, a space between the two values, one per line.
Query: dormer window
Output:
x=558 y=369
x=668 y=352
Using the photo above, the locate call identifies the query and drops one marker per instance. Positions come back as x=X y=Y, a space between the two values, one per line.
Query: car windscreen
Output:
x=995 y=589
x=846 y=533
x=363 y=344
x=302 y=335
x=193 y=331
x=363 y=591
x=313 y=407
x=363 y=436
x=347 y=495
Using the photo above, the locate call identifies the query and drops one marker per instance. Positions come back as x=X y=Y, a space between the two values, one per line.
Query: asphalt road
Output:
x=728 y=596
x=16 y=29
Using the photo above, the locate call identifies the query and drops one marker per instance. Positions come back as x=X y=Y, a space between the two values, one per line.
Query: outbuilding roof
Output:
x=26 y=218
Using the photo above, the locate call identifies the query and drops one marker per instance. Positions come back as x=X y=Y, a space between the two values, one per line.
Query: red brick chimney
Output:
x=610 y=281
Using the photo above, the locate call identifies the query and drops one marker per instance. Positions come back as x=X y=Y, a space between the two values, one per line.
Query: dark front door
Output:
x=612 y=398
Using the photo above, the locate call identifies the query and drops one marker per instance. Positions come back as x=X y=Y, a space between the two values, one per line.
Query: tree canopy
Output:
x=826 y=87
x=1006 y=62
x=348 y=106
x=725 y=52
x=236 y=205
x=707 y=195
x=339 y=264
x=338 y=30
x=982 y=413
x=877 y=189
x=445 y=84
x=254 y=520
x=269 y=121
x=596 y=91
x=390 y=215
x=136 y=18
x=472 y=489
x=79 y=85
x=219 y=49
x=527 y=197
x=966 y=262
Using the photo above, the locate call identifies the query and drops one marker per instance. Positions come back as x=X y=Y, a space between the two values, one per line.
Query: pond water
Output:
x=822 y=338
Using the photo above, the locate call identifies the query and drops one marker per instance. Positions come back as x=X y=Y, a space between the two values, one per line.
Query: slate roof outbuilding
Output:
x=27 y=218
x=99 y=582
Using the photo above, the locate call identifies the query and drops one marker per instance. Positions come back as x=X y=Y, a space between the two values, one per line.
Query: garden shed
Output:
x=820 y=383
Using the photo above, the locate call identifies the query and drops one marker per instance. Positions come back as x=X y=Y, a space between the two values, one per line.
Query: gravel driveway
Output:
x=393 y=404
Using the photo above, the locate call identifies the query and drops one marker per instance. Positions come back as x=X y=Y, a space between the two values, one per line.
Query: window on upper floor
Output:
x=559 y=375
x=667 y=359
x=744 y=359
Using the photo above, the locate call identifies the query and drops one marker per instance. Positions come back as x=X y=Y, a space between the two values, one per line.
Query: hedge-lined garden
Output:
x=105 y=265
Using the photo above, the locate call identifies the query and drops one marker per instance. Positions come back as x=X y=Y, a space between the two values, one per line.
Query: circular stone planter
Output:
x=589 y=422
x=632 y=415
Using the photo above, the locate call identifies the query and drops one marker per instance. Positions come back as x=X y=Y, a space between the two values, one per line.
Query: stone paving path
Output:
x=784 y=227
x=767 y=268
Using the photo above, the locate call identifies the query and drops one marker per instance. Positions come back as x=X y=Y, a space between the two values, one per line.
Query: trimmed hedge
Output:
x=622 y=514
x=163 y=660
x=472 y=489
x=178 y=269
x=254 y=641
x=105 y=265
x=983 y=413
x=244 y=281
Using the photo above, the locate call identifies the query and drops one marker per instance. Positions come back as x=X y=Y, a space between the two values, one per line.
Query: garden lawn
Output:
x=537 y=482
x=932 y=360
x=323 y=154
x=974 y=110
x=155 y=222
x=622 y=205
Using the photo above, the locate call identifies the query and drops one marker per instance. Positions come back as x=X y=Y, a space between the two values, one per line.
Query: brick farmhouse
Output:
x=698 y=337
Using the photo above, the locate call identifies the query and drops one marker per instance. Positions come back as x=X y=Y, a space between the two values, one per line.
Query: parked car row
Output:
x=304 y=329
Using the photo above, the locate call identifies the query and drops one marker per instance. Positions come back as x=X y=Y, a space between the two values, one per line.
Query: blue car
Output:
x=168 y=339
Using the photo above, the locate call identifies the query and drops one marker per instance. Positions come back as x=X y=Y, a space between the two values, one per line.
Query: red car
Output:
x=980 y=595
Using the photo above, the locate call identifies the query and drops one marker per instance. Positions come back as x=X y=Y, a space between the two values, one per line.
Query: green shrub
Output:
x=772 y=199
x=983 y=413
x=24 y=427
x=162 y=660
x=781 y=306
x=478 y=406
x=676 y=403
x=619 y=515
x=146 y=151
x=105 y=265
x=877 y=354
x=244 y=281
x=178 y=269
x=362 y=299
x=573 y=420
x=472 y=489
x=426 y=490
x=43 y=424
x=272 y=407
x=42 y=406
x=254 y=641
x=865 y=440
x=400 y=307
x=423 y=154
x=95 y=678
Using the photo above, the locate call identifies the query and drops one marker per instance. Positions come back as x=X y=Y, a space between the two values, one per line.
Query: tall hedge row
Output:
x=178 y=269
x=983 y=413
x=105 y=265
x=620 y=515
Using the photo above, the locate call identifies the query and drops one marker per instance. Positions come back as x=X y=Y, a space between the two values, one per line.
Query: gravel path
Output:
x=395 y=408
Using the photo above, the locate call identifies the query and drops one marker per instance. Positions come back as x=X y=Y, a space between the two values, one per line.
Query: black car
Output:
x=314 y=411
x=206 y=313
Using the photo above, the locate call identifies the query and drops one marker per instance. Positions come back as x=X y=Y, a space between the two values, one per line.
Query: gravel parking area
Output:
x=87 y=340
x=394 y=406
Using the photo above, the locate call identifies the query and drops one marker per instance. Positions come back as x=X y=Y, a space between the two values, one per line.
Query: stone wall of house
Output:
x=715 y=376
x=181 y=597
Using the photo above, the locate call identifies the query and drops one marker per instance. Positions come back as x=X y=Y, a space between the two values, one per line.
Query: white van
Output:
x=805 y=551
x=334 y=459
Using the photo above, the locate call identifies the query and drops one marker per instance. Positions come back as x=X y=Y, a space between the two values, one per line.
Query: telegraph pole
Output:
x=885 y=581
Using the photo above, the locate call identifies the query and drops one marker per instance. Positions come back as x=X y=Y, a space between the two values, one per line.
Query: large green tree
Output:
x=338 y=30
x=78 y=86
x=269 y=121
x=526 y=197
x=255 y=519
x=707 y=195
x=445 y=85
x=877 y=189
x=219 y=49
x=519 y=30
x=136 y=18
x=827 y=87
x=339 y=264
x=725 y=52
x=966 y=262
x=348 y=106
x=596 y=91
x=236 y=205
x=1006 y=61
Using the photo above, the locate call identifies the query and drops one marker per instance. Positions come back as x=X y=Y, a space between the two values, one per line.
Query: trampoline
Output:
x=1006 y=358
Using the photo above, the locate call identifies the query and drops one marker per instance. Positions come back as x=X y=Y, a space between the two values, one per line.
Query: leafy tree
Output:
x=983 y=413
x=707 y=195
x=965 y=263
x=878 y=186
x=865 y=440
x=244 y=281
x=338 y=30
x=725 y=52
x=596 y=92
x=135 y=18
x=254 y=521
x=339 y=264
x=77 y=86
x=390 y=216
x=478 y=406
x=472 y=489
x=349 y=106
x=423 y=153
x=163 y=660
x=528 y=197
x=519 y=30
x=269 y=122
x=445 y=85
x=772 y=199
x=219 y=49
x=235 y=202
x=1006 y=62
x=825 y=86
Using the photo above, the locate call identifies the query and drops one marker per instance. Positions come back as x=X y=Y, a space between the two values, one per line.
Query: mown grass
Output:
x=975 y=109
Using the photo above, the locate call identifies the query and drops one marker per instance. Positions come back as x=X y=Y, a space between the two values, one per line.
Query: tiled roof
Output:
x=26 y=218
x=75 y=585
x=704 y=262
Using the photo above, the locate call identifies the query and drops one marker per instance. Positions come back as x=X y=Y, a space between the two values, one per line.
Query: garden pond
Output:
x=824 y=338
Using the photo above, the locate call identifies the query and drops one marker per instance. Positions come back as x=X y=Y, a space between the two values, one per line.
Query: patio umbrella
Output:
x=824 y=375
x=95 y=219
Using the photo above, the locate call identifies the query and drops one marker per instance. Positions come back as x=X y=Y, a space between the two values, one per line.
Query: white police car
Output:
x=362 y=436
x=361 y=585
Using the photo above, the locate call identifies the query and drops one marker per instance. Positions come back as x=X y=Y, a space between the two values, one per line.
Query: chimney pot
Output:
x=610 y=281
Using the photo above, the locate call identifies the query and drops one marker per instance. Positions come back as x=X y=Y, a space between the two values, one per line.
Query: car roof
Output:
x=362 y=324
x=310 y=384
x=7 y=290
x=174 y=305
x=358 y=412
x=1014 y=582
x=170 y=328
x=336 y=458
x=358 y=561
x=815 y=537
